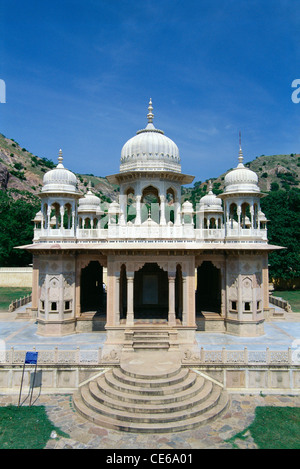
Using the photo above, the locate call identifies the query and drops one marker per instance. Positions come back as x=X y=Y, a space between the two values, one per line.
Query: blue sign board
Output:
x=31 y=358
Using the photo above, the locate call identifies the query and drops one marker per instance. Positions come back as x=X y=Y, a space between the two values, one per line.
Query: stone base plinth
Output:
x=90 y=324
x=56 y=328
x=244 y=328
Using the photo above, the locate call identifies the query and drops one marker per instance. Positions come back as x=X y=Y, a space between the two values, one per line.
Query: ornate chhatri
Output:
x=150 y=259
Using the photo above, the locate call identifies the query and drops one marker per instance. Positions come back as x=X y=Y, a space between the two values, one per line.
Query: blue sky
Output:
x=79 y=75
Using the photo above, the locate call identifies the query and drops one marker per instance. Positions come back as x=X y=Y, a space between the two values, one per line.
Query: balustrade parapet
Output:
x=153 y=231
x=20 y=302
x=243 y=357
x=222 y=357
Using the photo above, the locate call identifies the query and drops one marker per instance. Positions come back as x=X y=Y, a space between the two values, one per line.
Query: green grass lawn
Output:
x=273 y=428
x=293 y=297
x=30 y=428
x=26 y=427
x=8 y=294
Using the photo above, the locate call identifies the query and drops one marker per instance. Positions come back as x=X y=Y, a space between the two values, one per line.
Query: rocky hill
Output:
x=21 y=171
x=274 y=172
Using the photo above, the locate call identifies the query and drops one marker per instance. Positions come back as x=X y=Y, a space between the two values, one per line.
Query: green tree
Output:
x=16 y=227
x=282 y=208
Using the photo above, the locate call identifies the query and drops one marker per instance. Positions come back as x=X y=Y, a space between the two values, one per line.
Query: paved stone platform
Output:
x=279 y=335
x=150 y=363
x=85 y=435
x=21 y=334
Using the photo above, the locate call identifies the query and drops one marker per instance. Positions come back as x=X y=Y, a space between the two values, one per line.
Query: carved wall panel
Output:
x=54 y=289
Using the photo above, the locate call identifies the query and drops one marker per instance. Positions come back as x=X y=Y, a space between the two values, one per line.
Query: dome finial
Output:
x=241 y=158
x=150 y=114
x=210 y=187
x=89 y=187
x=60 y=157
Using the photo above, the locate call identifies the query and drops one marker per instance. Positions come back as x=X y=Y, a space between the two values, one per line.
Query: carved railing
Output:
x=169 y=232
x=242 y=357
x=53 y=356
x=20 y=302
x=221 y=357
x=278 y=301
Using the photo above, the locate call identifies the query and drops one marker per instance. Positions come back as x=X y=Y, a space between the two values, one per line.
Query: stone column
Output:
x=162 y=210
x=252 y=217
x=177 y=214
x=35 y=285
x=110 y=292
x=117 y=299
x=123 y=209
x=184 y=301
x=171 y=316
x=239 y=211
x=138 y=220
x=223 y=291
x=61 y=213
x=190 y=294
x=227 y=219
x=265 y=282
x=48 y=218
x=77 y=288
x=130 y=299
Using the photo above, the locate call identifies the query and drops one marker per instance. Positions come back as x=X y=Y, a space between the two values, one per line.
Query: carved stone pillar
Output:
x=130 y=299
x=117 y=299
x=123 y=209
x=138 y=220
x=184 y=301
x=62 y=213
x=162 y=210
x=171 y=316
x=35 y=284
x=239 y=211
x=252 y=216
x=48 y=218
x=178 y=213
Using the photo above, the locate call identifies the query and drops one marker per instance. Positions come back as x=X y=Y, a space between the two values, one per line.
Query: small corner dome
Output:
x=60 y=179
x=150 y=149
x=38 y=217
x=262 y=216
x=89 y=201
x=187 y=207
x=241 y=179
x=210 y=201
x=114 y=208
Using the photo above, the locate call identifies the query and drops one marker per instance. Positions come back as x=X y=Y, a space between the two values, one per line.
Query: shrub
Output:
x=274 y=186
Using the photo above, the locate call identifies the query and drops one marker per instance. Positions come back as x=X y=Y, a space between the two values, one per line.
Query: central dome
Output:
x=150 y=150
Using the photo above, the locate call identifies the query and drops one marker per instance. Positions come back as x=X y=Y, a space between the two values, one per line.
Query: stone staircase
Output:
x=145 y=338
x=145 y=396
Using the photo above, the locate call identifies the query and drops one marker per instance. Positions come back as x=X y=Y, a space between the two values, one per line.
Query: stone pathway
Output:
x=86 y=435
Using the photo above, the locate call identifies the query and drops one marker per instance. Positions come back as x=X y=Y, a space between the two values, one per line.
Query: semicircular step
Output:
x=181 y=401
